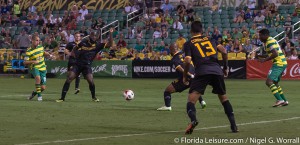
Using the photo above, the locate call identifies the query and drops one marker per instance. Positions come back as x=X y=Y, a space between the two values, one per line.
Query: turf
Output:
x=114 y=121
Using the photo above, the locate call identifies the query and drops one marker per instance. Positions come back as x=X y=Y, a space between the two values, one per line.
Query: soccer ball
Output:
x=128 y=95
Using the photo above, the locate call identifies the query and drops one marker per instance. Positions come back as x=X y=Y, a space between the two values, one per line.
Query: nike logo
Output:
x=235 y=69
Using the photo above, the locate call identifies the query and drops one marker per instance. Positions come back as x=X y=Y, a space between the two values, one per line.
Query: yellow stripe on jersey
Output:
x=271 y=44
x=36 y=54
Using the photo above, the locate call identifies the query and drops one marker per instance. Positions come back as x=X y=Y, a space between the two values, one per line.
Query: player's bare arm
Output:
x=180 y=69
x=187 y=61
x=110 y=41
x=222 y=50
x=274 y=55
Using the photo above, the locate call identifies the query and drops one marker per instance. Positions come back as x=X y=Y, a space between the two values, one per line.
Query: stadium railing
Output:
x=104 y=29
x=131 y=16
x=295 y=28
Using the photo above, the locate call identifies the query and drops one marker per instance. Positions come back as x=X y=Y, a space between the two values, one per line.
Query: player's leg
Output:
x=37 y=78
x=89 y=78
x=219 y=88
x=71 y=76
x=202 y=102
x=273 y=76
x=167 y=98
x=280 y=89
x=77 y=81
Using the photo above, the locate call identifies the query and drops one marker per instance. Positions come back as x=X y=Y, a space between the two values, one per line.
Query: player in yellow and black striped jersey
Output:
x=203 y=52
x=36 y=61
x=279 y=65
x=178 y=85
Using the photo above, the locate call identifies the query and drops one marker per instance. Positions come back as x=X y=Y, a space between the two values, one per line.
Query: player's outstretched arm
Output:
x=225 y=59
x=274 y=55
x=110 y=41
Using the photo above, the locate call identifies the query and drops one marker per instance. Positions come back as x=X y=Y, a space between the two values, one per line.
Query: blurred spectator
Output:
x=15 y=20
x=79 y=17
x=229 y=45
x=177 y=25
x=248 y=15
x=17 y=8
x=129 y=54
x=83 y=32
x=216 y=35
x=297 y=10
x=23 y=40
x=247 y=46
x=135 y=7
x=239 y=16
x=165 y=56
x=260 y=18
x=268 y=20
x=294 y=55
x=40 y=21
x=31 y=8
x=252 y=30
x=4 y=8
x=137 y=57
x=245 y=37
x=71 y=25
x=149 y=3
x=190 y=18
x=139 y=46
x=164 y=23
x=256 y=41
x=84 y=12
x=251 y=4
x=130 y=34
x=237 y=46
x=287 y=45
x=157 y=33
x=112 y=52
x=155 y=46
x=6 y=44
x=127 y=8
x=69 y=37
x=208 y=32
x=148 y=48
x=170 y=20
x=154 y=56
x=288 y=25
x=158 y=19
x=236 y=34
x=166 y=48
x=215 y=8
x=180 y=41
x=181 y=8
x=164 y=33
x=122 y=41
x=167 y=6
x=278 y=22
x=272 y=8
x=97 y=24
x=146 y=57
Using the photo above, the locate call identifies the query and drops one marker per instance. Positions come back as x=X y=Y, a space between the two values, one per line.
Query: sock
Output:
x=200 y=99
x=92 y=89
x=65 y=90
x=34 y=92
x=38 y=89
x=281 y=93
x=274 y=90
x=167 y=98
x=229 y=112
x=191 y=111
x=77 y=82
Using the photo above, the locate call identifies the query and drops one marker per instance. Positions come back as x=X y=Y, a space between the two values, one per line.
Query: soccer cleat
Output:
x=285 y=103
x=203 y=104
x=278 y=103
x=77 y=91
x=59 y=100
x=164 y=108
x=95 y=100
x=234 y=129
x=40 y=98
x=190 y=128
x=32 y=95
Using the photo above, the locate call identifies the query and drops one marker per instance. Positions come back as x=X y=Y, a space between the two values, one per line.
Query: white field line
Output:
x=153 y=133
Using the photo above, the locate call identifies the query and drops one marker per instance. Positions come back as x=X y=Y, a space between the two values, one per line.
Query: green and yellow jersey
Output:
x=271 y=44
x=36 y=54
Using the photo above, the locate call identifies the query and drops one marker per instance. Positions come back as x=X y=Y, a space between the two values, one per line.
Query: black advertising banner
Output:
x=237 y=69
x=153 y=69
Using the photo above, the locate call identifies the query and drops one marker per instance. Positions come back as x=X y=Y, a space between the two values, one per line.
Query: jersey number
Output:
x=208 y=46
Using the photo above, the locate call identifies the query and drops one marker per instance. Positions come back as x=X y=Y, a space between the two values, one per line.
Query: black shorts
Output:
x=179 y=85
x=84 y=69
x=199 y=84
x=71 y=63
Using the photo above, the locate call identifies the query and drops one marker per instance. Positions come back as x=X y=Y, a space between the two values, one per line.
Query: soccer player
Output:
x=178 y=85
x=85 y=53
x=279 y=65
x=72 y=60
x=35 y=58
x=204 y=54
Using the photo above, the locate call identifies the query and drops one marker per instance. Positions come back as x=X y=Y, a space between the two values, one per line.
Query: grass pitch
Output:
x=114 y=121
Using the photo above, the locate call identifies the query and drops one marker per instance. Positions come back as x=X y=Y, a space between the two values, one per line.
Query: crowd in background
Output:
x=152 y=37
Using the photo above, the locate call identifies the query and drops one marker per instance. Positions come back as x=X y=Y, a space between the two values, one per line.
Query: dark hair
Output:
x=264 y=32
x=196 y=27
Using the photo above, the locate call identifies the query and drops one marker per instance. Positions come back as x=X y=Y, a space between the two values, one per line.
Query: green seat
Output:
x=280 y=29
x=167 y=41
x=234 y=25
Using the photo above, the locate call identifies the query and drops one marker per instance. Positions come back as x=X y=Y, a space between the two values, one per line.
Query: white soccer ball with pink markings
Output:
x=128 y=95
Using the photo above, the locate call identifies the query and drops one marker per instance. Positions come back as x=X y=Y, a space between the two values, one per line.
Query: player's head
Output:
x=93 y=36
x=173 y=48
x=35 y=40
x=264 y=35
x=77 y=36
x=196 y=27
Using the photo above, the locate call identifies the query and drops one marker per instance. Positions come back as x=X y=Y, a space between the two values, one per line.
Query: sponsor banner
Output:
x=102 y=68
x=257 y=70
x=153 y=69
x=237 y=69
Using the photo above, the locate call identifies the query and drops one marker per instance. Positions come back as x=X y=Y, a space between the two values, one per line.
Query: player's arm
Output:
x=110 y=41
x=180 y=69
x=223 y=51
x=274 y=54
x=67 y=51
x=48 y=55
x=187 y=61
x=27 y=60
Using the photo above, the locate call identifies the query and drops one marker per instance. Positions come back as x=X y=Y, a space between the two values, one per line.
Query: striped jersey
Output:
x=271 y=44
x=36 y=54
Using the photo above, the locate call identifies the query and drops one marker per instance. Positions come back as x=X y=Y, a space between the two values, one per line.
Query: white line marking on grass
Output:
x=143 y=134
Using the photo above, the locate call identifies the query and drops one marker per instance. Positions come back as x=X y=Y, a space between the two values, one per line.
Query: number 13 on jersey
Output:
x=210 y=50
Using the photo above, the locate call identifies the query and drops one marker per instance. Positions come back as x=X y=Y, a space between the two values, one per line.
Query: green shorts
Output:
x=276 y=72
x=35 y=72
